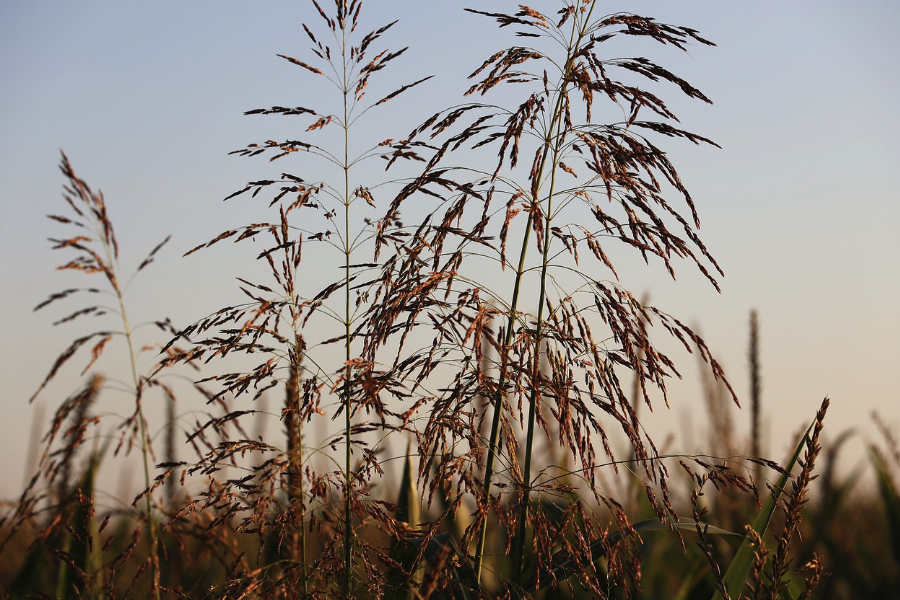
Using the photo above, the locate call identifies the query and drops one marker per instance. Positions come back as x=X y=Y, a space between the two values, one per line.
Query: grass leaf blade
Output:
x=740 y=566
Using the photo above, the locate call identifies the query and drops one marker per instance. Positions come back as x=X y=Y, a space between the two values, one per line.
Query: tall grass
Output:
x=96 y=254
x=281 y=320
x=444 y=274
x=493 y=332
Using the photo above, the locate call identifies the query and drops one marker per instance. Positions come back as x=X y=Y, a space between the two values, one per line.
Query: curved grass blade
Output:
x=76 y=569
x=740 y=566
x=404 y=552
x=891 y=499
x=599 y=548
x=464 y=584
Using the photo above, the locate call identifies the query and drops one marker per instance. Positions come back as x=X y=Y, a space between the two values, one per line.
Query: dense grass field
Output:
x=460 y=374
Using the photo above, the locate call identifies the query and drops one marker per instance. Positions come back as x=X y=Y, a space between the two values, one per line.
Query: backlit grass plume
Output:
x=518 y=255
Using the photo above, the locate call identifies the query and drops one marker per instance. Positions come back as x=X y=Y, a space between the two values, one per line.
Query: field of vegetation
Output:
x=460 y=373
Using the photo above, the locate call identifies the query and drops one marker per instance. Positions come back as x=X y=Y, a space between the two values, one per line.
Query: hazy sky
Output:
x=800 y=206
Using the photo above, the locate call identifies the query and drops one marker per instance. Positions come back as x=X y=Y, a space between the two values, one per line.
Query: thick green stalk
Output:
x=304 y=567
x=295 y=450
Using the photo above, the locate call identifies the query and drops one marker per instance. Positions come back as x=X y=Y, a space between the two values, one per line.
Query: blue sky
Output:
x=800 y=206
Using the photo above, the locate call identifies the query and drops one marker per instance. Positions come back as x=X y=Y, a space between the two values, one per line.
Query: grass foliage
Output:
x=461 y=316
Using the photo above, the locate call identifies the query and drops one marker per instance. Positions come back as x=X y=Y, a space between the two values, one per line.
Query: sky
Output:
x=799 y=206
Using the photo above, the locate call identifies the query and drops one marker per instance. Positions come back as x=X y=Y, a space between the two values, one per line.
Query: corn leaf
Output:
x=889 y=496
x=401 y=579
x=740 y=566
x=563 y=569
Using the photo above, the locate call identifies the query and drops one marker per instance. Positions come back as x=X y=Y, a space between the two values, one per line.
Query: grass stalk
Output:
x=104 y=230
x=538 y=360
x=554 y=138
x=755 y=394
x=349 y=71
x=498 y=405
x=296 y=501
x=347 y=401
x=519 y=547
x=103 y=259
x=145 y=441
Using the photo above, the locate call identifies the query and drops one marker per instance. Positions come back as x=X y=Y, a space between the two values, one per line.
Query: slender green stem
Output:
x=558 y=141
x=348 y=514
x=519 y=544
x=553 y=138
x=501 y=383
x=498 y=405
x=142 y=423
